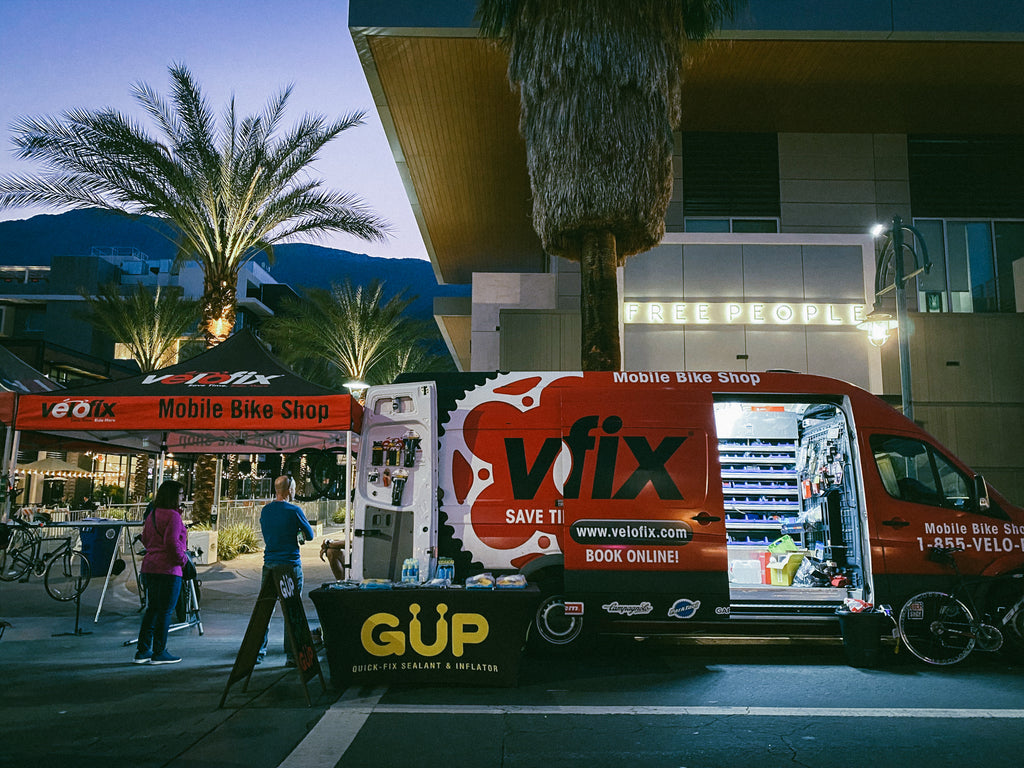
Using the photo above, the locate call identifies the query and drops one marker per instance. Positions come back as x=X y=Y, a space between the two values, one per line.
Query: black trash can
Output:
x=98 y=540
x=862 y=636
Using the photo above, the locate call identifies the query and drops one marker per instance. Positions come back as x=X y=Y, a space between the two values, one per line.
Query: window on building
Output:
x=972 y=264
x=968 y=203
x=731 y=225
x=731 y=177
x=29 y=319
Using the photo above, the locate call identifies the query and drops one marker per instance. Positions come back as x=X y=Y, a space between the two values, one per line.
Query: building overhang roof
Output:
x=451 y=116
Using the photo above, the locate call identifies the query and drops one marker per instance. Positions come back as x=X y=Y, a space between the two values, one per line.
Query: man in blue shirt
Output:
x=282 y=522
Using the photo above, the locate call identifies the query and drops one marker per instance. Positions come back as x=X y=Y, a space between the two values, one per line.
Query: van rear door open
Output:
x=643 y=524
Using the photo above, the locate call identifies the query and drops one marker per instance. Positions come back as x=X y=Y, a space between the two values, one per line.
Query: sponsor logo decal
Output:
x=723 y=610
x=382 y=635
x=683 y=608
x=637 y=609
x=573 y=609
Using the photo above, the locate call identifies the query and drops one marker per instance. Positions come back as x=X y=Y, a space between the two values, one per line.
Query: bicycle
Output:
x=944 y=628
x=66 y=571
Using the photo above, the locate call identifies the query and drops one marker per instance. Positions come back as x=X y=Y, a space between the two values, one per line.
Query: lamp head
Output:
x=878 y=324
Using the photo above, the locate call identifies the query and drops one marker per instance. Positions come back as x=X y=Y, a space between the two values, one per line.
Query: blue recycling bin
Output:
x=99 y=538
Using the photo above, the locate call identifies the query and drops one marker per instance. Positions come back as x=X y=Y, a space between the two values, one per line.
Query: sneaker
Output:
x=259 y=658
x=143 y=657
x=165 y=658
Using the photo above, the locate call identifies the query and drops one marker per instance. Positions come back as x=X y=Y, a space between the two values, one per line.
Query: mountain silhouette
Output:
x=34 y=241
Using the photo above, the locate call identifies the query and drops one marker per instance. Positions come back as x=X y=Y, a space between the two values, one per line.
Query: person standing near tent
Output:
x=282 y=522
x=165 y=538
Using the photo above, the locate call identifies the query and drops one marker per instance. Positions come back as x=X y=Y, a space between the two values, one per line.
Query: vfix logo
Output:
x=79 y=409
x=526 y=479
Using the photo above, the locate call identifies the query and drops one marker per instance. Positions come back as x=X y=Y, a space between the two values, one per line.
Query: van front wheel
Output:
x=553 y=630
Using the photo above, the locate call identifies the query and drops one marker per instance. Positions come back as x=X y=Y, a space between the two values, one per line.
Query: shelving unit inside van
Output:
x=759 y=483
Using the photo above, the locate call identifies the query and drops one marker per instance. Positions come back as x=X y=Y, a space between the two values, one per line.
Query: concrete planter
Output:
x=207 y=542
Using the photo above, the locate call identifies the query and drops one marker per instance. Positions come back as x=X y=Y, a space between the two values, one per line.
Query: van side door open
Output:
x=644 y=527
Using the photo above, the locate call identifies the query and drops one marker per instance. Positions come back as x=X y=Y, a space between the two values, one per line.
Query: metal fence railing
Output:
x=325 y=512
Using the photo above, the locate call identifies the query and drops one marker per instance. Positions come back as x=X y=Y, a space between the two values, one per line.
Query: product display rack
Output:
x=759 y=482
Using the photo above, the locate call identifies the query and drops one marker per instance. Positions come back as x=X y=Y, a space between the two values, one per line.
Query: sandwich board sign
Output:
x=280 y=588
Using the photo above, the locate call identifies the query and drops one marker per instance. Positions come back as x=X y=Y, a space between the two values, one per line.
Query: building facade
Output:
x=803 y=125
x=40 y=308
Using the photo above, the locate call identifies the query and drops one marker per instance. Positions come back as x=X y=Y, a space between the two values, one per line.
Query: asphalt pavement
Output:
x=77 y=699
x=73 y=696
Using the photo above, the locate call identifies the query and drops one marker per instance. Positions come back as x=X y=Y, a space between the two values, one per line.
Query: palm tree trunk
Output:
x=140 y=478
x=206 y=483
x=233 y=476
x=599 y=303
x=217 y=323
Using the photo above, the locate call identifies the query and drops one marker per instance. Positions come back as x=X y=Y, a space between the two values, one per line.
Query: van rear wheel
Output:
x=554 y=631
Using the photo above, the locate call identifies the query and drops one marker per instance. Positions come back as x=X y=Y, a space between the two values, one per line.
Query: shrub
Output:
x=338 y=516
x=235 y=540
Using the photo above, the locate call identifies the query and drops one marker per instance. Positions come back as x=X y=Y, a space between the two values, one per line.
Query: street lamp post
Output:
x=878 y=322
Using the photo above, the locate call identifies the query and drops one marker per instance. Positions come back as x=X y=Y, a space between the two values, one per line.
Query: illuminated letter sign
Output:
x=739 y=313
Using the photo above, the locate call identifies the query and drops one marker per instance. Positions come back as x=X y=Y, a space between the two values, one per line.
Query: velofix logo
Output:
x=97 y=410
x=214 y=378
x=638 y=609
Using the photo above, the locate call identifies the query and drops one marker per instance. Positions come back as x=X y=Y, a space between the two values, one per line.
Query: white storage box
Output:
x=745 y=571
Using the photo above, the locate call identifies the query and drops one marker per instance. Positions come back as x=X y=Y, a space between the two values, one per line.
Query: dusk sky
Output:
x=61 y=54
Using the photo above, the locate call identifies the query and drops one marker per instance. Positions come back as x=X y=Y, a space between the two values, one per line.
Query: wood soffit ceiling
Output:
x=456 y=118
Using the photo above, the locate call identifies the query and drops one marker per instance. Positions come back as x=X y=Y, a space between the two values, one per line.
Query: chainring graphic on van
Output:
x=474 y=475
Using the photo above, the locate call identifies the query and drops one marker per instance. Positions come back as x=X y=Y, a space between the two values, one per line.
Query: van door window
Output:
x=914 y=471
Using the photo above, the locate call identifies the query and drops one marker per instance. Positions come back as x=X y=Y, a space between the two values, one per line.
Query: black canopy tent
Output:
x=233 y=398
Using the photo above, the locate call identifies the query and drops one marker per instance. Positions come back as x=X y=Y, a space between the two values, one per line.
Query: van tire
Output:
x=551 y=631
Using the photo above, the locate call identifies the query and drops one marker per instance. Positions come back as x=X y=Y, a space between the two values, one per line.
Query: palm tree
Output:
x=348 y=332
x=600 y=85
x=150 y=325
x=228 y=192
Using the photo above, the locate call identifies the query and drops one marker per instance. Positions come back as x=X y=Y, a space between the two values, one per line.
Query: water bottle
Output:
x=411 y=571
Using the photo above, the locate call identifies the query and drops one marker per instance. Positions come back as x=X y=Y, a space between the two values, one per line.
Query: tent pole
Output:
x=10 y=465
x=215 y=509
x=159 y=474
x=349 y=486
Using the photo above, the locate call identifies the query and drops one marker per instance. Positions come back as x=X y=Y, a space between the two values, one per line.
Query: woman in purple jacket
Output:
x=164 y=537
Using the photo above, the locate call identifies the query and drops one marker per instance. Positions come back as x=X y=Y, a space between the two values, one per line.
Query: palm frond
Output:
x=226 y=191
x=149 y=324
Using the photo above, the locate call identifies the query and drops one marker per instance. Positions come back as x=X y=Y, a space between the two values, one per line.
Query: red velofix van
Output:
x=669 y=502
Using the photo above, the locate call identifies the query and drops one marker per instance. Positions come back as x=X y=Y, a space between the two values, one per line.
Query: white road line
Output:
x=909 y=712
x=337 y=729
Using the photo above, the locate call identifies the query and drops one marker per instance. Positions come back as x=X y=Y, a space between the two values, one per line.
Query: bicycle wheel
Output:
x=16 y=558
x=937 y=628
x=67 y=575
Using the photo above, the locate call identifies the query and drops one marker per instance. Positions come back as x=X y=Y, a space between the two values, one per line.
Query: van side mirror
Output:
x=981 y=493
